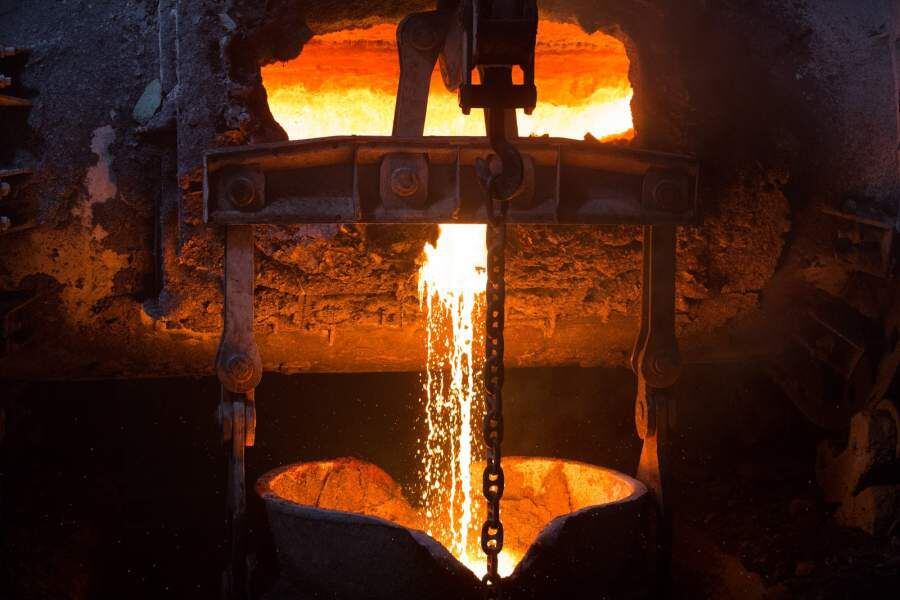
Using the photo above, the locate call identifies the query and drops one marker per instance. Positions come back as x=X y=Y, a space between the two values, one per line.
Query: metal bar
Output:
x=420 y=37
x=239 y=368
x=238 y=363
x=341 y=180
x=658 y=364
x=235 y=584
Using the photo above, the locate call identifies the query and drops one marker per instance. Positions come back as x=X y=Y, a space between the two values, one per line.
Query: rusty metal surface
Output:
x=657 y=363
x=239 y=368
x=500 y=185
x=238 y=363
x=419 y=40
x=344 y=299
x=498 y=33
x=236 y=578
x=338 y=180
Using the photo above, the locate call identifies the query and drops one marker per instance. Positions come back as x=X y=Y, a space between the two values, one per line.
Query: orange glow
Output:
x=452 y=280
x=538 y=490
x=345 y=83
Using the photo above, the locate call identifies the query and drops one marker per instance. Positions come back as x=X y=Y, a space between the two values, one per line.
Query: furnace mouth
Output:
x=583 y=78
x=350 y=496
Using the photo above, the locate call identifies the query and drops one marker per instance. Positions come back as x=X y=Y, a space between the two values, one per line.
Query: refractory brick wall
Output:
x=790 y=107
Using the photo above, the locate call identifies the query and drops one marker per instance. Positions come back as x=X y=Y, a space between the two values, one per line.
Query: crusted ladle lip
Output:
x=265 y=489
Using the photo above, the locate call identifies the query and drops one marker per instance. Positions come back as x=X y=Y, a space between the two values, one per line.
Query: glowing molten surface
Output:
x=538 y=490
x=345 y=83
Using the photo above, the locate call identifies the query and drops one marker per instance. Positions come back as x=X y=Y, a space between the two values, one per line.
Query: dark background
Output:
x=115 y=489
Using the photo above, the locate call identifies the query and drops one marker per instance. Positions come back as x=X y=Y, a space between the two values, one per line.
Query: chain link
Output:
x=492 y=427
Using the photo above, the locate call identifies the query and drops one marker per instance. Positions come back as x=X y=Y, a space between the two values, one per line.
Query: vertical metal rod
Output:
x=239 y=368
x=657 y=363
x=236 y=585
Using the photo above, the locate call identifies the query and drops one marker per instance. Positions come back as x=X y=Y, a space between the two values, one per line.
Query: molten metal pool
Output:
x=344 y=529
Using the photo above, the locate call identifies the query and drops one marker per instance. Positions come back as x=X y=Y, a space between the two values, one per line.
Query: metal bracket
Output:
x=239 y=368
x=345 y=180
x=420 y=38
x=499 y=33
x=657 y=362
x=238 y=363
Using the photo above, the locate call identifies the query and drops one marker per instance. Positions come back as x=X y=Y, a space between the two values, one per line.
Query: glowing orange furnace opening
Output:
x=345 y=83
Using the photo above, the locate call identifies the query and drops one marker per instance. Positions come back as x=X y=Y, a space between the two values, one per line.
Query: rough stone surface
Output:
x=148 y=103
x=789 y=107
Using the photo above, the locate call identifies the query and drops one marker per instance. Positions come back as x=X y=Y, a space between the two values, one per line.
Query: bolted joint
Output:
x=241 y=192
x=242 y=189
x=524 y=197
x=239 y=372
x=404 y=181
x=240 y=368
x=661 y=368
x=668 y=196
x=667 y=192
x=420 y=31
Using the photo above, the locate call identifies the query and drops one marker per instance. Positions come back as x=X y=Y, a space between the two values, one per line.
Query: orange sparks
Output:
x=345 y=83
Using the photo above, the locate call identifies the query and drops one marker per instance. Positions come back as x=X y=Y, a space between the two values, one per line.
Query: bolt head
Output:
x=422 y=35
x=667 y=196
x=241 y=192
x=666 y=366
x=404 y=181
x=240 y=368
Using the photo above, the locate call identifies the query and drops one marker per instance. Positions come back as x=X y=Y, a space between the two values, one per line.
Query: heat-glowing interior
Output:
x=538 y=490
x=345 y=83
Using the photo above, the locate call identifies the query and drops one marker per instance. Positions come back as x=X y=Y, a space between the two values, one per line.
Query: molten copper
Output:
x=345 y=83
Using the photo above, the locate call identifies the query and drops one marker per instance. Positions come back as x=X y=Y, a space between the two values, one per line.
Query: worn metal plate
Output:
x=338 y=180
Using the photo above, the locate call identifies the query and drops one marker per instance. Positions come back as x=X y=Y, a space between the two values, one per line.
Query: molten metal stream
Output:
x=345 y=83
x=451 y=290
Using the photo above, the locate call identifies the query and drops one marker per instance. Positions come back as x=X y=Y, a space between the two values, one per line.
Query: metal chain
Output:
x=493 y=479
